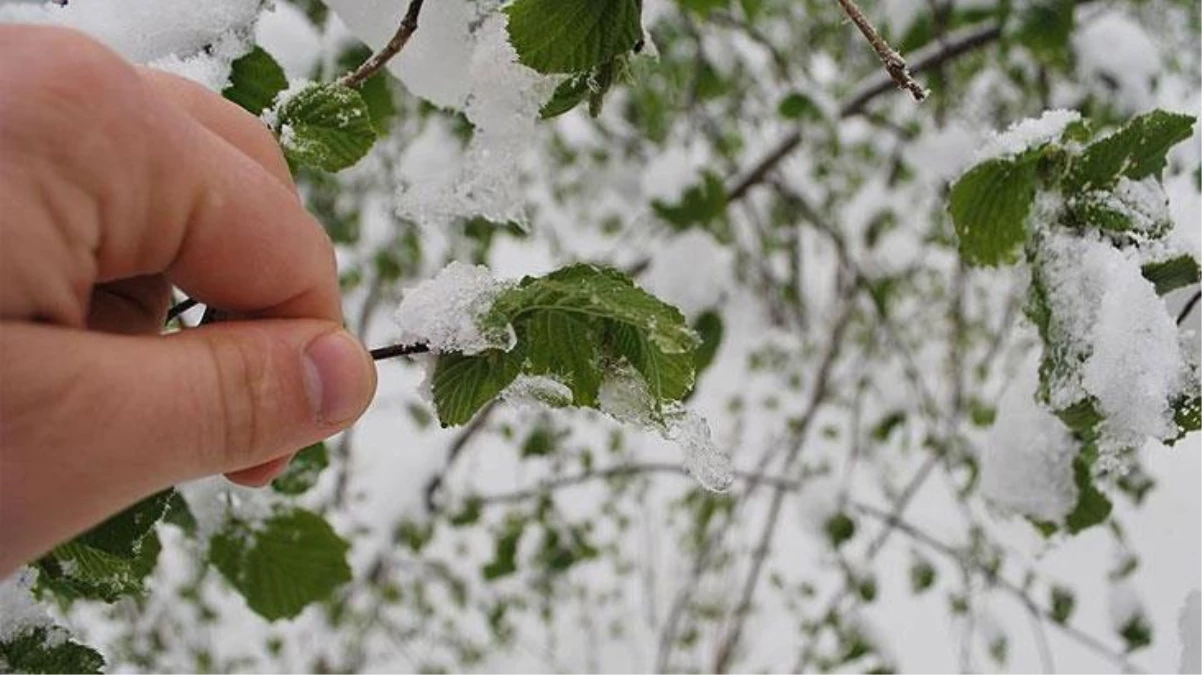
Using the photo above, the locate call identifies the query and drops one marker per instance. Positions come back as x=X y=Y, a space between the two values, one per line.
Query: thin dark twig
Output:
x=895 y=65
x=181 y=307
x=393 y=351
x=381 y=58
x=1189 y=307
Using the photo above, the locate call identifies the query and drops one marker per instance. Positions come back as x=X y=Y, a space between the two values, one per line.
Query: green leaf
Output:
x=702 y=205
x=325 y=126
x=303 y=471
x=255 y=80
x=75 y=570
x=922 y=576
x=839 y=528
x=669 y=377
x=597 y=292
x=1137 y=632
x=797 y=105
x=1137 y=150
x=292 y=560
x=562 y=344
x=572 y=36
x=1044 y=27
x=113 y=559
x=709 y=327
x=504 y=562
x=1187 y=414
x=463 y=384
x=47 y=649
x=570 y=93
x=1064 y=601
x=1169 y=275
x=1093 y=508
x=989 y=206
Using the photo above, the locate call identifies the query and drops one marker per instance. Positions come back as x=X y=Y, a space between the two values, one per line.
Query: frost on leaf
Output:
x=1027 y=466
x=445 y=312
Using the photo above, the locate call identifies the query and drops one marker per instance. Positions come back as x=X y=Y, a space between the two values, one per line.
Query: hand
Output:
x=115 y=184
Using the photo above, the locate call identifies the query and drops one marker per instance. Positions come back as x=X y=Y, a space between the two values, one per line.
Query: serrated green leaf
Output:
x=289 y=562
x=669 y=376
x=1169 y=275
x=1137 y=150
x=989 y=206
x=110 y=560
x=325 y=126
x=75 y=570
x=255 y=80
x=47 y=650
x=563 y=345
x=303 y=471
x=597 y=292
x=463 y=384
x=572 y=36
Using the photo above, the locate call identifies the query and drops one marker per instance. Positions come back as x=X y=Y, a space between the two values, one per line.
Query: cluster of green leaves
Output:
x=289 y=561
x=992 y=207
x=587 y=41
x=577 y=325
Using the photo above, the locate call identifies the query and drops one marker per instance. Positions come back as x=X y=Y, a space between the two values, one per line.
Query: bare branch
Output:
x=372 y=65
x=895 y=65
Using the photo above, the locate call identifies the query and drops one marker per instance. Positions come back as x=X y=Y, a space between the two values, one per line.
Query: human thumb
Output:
x=107 y=419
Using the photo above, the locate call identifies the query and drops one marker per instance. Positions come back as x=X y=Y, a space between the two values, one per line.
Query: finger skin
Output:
x=109 y=419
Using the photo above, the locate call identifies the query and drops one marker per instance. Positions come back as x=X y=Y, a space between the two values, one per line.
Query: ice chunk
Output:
x=536 y=390
x=443 y=313
x=625 y=397
x=1027 y=465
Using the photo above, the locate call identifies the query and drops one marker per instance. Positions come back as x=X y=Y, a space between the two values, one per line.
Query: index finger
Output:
x=145 y=189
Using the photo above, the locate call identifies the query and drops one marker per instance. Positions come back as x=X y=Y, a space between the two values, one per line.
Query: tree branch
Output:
x=895 y=65
x=393 y=351
x=377 y=61
x=1189 y=307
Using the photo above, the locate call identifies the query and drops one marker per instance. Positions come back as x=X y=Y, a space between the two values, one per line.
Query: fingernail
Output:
x=337 y=377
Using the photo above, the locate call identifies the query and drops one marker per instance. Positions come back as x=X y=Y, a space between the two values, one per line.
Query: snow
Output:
x=1124 y=605
x=197 y=40
x=443 y=312
x=1119 y=59
x=1144 y=202
x=286 y=33
x=1189 y=628
x=692 y=272
x=20 y=611
x=624 y=396
x=1108 y=318
x=1028 y=133
x=1027 y=464
x=503 y=101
